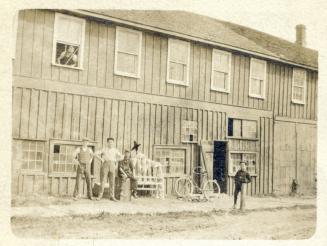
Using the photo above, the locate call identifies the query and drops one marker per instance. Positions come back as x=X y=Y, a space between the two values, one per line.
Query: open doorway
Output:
x=219 y=164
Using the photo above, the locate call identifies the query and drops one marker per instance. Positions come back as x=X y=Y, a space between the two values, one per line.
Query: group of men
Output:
x=109 y=157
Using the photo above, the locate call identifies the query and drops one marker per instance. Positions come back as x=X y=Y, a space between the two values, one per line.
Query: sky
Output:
x=278 y=17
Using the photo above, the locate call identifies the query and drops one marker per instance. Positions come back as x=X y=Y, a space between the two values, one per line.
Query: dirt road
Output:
x=297 y=222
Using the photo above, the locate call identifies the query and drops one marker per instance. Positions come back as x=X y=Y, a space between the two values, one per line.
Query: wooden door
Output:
x=206 y=156
x=284 y=157
x=306 y=157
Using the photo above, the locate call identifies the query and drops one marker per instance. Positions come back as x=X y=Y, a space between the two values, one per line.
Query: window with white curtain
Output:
x=257 y=86
x=128 y=52
x=299 y=85
x=68 y=41
x=221 y=70
x=178 y=62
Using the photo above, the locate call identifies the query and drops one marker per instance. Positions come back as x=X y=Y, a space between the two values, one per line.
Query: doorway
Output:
x=219 y=164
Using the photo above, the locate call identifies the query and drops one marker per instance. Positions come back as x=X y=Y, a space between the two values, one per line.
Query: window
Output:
x=178 y=62
x=257 y=86
x=239 y=128
x=68 y=44
x=32 y=157
x=299 y=85
x=61 y=157
x=220 y=74
x=237 y=157
x=189 y=131
x=128 y=52
x=172 y=159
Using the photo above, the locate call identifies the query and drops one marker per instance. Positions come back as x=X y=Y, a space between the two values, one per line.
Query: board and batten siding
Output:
x=34 y=56
x=45 y=115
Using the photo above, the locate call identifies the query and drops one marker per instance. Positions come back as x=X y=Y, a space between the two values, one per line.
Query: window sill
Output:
x=241 y=138
x=194 y=142
x=177 y=82
x=257 y=97
x=65 y=66
x=298 y=102
x=220 y=90
x=135 y=76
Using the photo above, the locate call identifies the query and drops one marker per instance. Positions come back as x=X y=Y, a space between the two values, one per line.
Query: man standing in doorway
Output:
x=109 y=156
x=241 y=177
x=83 y=156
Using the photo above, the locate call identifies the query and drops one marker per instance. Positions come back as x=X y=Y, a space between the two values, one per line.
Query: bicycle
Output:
x=185 y=186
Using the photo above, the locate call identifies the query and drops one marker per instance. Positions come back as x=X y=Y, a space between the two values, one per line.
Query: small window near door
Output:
x=239 y=128
x=189 y=131
x=235 y=162
x=173 y=160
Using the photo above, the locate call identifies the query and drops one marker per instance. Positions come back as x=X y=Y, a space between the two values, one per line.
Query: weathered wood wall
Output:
x=43 y=115
x=294 y=157
x=34 y=51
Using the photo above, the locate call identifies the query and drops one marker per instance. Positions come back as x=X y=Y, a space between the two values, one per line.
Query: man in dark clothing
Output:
x=125 y=171
x=241 y=177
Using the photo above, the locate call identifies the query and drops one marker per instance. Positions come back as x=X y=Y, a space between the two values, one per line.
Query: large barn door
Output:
x=294 y=157
x=284 y=157
x=306 y=157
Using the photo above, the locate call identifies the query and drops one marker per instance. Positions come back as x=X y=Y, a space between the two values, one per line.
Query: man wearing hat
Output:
x=241 y=177
x=83 y=156
x=126 y=170
x=109 y=156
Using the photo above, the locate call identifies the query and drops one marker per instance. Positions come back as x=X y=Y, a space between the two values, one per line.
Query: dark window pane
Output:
x=230 y=127
x=56 y=148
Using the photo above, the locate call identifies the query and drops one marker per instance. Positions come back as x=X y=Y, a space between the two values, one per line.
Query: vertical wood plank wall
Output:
x=34 y=51
x=70 y=117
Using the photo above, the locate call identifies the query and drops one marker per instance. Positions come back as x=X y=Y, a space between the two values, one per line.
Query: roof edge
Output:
x=95 y=14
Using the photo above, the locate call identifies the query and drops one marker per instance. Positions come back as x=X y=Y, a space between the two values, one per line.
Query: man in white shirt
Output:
x=109 y=157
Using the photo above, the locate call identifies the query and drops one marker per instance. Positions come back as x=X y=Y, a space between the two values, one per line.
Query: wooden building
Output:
x=191 y=89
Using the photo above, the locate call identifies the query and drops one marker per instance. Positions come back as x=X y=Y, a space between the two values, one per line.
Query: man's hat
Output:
x=85 y=139
x=136 y=146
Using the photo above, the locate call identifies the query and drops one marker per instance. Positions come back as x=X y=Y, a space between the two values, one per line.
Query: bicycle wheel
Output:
x=183 y=187
x=211 y=189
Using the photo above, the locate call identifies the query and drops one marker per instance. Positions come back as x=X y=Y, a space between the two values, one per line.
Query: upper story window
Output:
x=128 y=52
x=257 y=86
x=239 y=128
x=68 y=41
x=299 y=85
x=178 y=63
x=221 y=70
x=189 y=131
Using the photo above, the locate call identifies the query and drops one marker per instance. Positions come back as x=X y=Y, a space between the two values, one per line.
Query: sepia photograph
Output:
x=162 y=123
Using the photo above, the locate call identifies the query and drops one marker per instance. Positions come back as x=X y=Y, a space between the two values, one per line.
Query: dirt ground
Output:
x=266 y=218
